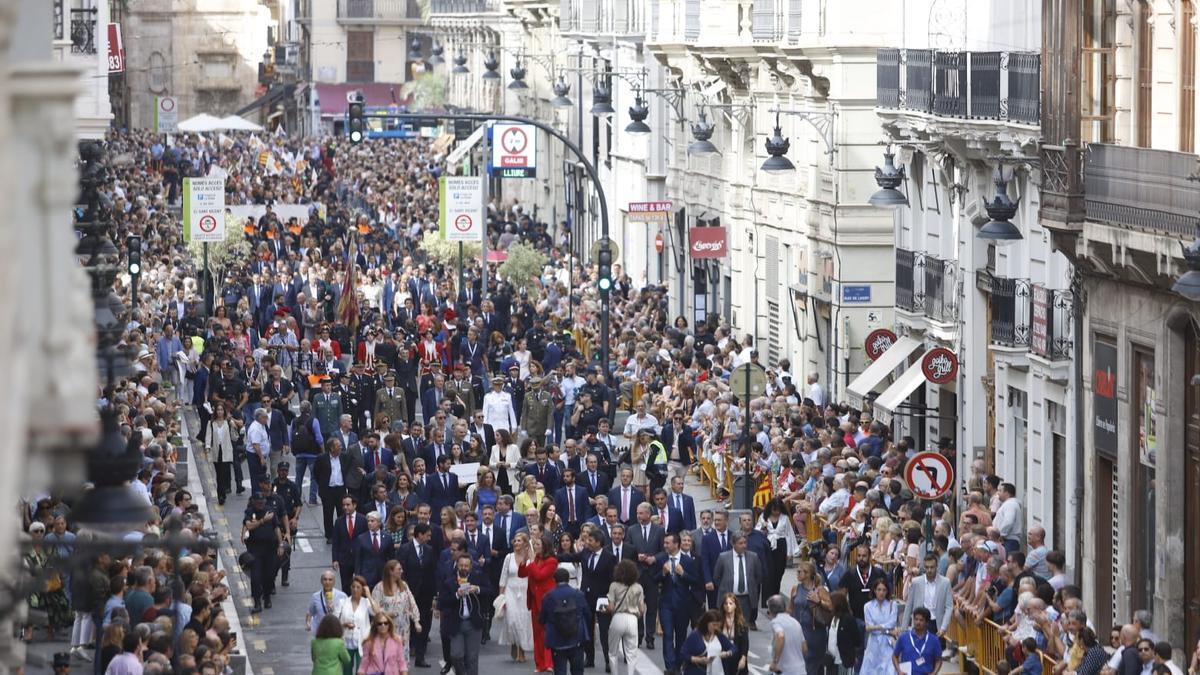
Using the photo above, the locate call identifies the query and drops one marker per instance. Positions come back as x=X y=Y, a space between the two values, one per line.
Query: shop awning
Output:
x=875 y=373
x=895 y=395
x=271 y=97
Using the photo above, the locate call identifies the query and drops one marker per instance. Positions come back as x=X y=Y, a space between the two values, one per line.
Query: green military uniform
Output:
x=463 y=389
x=537 y=411
x=327 y=408
x=390 y=401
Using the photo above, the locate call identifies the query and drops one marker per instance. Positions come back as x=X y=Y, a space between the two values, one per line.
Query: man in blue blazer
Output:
x=571 y=503
x=442 y=486
x=372 y=550
x=546 y=473
x=626 y=498
x=420 y=562
x=683 y=503
x=669 y=518
x=431 y=398
x=678 y=573
x=346 y=531
x=676 y=437
x=716 y=542
x=373 y=452
x=596 y=481
x=505 y=525
x=460 y=593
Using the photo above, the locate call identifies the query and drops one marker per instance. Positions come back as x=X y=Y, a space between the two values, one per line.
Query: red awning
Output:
x=494 y=256
x=332 y=97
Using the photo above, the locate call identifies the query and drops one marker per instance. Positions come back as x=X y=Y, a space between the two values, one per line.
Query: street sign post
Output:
x=747 y=381
x=514 y=150
x=166 y=115
x=929 y=475
x=460 y=202
x=204 y=209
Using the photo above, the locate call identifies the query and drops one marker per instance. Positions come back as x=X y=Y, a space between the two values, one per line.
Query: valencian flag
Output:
x=347 y=309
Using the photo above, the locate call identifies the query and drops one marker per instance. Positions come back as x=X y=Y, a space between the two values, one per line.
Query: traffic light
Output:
x=135 y=255
x=356 y=126
x=604 y=261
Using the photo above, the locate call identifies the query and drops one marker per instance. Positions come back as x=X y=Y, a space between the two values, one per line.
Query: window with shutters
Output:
x=360 y=56
x=1145 y=73
x=1097 y=71
x=1187 y=77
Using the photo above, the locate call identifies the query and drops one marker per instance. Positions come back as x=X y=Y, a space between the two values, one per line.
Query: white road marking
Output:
x=302 y=542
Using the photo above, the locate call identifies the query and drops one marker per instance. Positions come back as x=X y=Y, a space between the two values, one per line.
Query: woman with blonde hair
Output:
x=383 y=651
x=395 y=600
x=531 y=497
x=517 y=627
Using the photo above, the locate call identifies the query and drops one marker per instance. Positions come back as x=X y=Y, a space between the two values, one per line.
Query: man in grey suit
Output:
x=931 y=591
x=646 y=540
x=740 y=572
x=705 y=527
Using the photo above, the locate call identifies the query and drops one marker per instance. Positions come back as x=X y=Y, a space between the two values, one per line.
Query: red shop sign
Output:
x=940 y=365
x=879 y=341
x=707 y=242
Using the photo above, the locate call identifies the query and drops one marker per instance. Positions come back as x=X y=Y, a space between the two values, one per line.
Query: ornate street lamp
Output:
x=777 y=148
x=702 y=131
x=460 y=65
x=638 y=114
x=1188 y=285
x=602 y=100
x=888 y=178
x=1001 y=211
x=561 y=98
x=491 y=67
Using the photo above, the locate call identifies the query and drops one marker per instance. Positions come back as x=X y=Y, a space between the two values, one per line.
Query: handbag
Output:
x=498 y=606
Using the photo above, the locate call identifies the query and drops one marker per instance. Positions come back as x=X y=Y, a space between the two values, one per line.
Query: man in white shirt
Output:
x=640 y=419
x=258 y=447
x=1008 y=518
x=815 y=391
x=498 y=408
x=569 y=385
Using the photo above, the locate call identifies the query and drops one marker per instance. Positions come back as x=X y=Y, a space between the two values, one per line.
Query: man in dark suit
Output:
x=715 y=543
x=506 y=524
x=345 y=531
x=431 y=398
x=669 y=518
x=372 y=550
x=617 y=545
x=478 y=546
x=485 y=431
x=679 y=574
x=544 y=471
x=676 y=437
x=571 y=502
x=418 y=562
x=411 y=444
x=646 y=540
x=683 y=503
x=462 y=614
x=442 y=486
x=592 y=478
x=598 y=564
x=375 y=455
x=626 y=497
x=330 y=472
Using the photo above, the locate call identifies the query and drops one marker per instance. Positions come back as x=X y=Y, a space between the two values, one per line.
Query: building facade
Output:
x=1118 y=158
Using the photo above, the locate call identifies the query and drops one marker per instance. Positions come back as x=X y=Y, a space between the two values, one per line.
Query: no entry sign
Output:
x=514 y=150
x=460 y=202
x=204 y=209
x=929 y=475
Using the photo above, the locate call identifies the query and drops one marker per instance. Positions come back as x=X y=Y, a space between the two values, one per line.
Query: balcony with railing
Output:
x=1051 y=323
x=459 y=7
x=1011 y=314
x=910 y=281
x=940 y=289
x=386 y=11
x=603 y=17
x=1140 y=188
x=990 y=86
x=83 y=30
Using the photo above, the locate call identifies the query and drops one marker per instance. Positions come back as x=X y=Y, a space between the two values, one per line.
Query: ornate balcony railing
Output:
x=1002 y=86
x=461 y=6
x=1011 y=315
x=1141 y=188
x=910 y=281
x=940 y=289
x=83 y=30
x=1051 y=322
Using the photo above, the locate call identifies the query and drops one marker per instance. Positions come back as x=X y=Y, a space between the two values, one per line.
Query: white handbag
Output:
x=498 y=605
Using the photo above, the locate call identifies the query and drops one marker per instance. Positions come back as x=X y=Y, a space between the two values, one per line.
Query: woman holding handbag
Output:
x=812 y=607
x=382 y=652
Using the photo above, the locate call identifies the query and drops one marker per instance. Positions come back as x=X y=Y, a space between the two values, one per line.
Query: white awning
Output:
x=901 y=389
x=875 y=373
x=465 y=146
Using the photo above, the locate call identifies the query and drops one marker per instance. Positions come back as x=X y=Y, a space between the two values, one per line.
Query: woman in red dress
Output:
x=540 y=572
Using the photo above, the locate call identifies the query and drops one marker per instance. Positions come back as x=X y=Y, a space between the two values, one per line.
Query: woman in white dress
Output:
x=355 y=613
x=517 y=630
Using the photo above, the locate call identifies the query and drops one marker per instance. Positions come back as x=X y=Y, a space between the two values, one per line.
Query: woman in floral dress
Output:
x=395 y=599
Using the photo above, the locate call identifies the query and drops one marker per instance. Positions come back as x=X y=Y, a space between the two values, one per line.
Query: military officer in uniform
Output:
x=516 y=387
x=362 y=398
x=459 y=389
x=537 y=411
x=390 y=400
x=327 y=407
x=498 y=409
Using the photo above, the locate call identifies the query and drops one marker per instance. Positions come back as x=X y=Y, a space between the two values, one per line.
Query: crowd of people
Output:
x=463 y=447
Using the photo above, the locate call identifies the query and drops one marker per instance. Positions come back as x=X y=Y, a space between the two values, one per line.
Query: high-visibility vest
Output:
x=657 y=454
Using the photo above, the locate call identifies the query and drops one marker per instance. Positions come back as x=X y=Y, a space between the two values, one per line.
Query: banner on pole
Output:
x=204 y=209
x=460 y=208
x=166 y=115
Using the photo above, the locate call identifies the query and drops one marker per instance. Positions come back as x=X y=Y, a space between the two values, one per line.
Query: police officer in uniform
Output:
x=260 y=533
x=656 y=459
x=287 y=494
x=537 y=411
x=461 y=390
x=390 y=400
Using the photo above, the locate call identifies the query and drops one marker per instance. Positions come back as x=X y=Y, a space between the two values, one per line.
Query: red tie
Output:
x=350 y=526
x=378 y=458
x=376 y=541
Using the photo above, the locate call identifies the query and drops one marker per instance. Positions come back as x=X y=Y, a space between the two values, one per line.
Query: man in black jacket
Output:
x=462 y=614
x=331 y=484
x=598 y=565
x=418 y=562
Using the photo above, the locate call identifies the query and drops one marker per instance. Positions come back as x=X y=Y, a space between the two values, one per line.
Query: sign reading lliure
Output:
x=1104 y=396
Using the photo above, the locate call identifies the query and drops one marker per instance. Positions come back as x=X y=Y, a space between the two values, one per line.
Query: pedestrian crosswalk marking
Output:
x=260 y=646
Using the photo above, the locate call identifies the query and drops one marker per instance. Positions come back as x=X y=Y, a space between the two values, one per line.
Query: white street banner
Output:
x=204 y=209
x=460 y=207
x=166 y=115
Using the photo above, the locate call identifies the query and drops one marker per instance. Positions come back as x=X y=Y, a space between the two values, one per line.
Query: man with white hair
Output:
x=372 y=550
x=815 y=391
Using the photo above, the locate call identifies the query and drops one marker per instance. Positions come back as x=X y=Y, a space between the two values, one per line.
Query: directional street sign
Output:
x=929 y=475
x=460 y=202
x=204 y=209
x=514 y=150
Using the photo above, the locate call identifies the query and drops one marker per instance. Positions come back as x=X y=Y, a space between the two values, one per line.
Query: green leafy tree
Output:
x=524 y=266
x=223 y=256
x=446 y=252
x=426 y=91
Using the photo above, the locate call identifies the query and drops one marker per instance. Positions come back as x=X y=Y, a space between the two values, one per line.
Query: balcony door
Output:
x=1144 y=109
x=1187 y=76
x=360 y=56
x=1097 y=71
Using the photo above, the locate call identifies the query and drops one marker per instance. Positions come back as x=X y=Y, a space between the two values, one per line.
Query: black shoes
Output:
x=649 y=643
x=446 y=668
x=422 y=663
x=257 y=608
x=267 y=602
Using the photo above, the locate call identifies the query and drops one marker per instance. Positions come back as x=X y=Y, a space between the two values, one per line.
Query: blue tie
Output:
x=504 y=528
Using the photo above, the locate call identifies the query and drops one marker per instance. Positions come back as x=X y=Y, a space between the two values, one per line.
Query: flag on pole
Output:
x=348 y=306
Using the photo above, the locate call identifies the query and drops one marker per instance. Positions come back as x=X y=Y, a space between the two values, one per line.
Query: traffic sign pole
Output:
x=487 y=190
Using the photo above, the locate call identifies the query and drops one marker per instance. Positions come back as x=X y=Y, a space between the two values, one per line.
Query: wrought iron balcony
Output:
x=1000 y=86
x=1051 y=323
x=910 y=281
x=378 y=11
x=1011 y=314
x=462 y=7
x=83 y=30
x=940 y=289
x=1141 y=188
